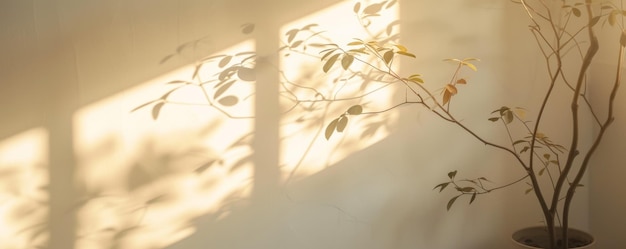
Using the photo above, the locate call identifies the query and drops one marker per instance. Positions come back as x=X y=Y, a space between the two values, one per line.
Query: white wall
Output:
x=120 y=180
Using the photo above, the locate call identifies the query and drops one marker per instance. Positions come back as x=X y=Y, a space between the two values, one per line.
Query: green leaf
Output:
x=541 y=171
x=483 y=178
x=388 y=56
x=156 y=110
x=469 y=180
x=331 y=128
x=442 y=186
x=355 y=110
x=450 y=202
x=467 y=189
x=346 y=61
x=501 y=110
x=520 y=141
x=622 y=39
x=576 y=12
x=528 y=191
x=508 y=116
x=526 y=148
x=342 y=123
x=329 y=63
x=494 y=119
x=452 y=174
x=473 y=198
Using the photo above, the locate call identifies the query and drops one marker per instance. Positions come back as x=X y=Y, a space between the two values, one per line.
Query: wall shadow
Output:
x=124 y=189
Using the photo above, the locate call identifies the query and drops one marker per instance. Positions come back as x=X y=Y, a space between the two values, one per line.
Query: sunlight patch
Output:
x=158 y=156
x=315 y=92
x=23 y=189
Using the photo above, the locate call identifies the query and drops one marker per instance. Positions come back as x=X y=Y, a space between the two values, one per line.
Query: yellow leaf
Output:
x=451 y=88
x=520 y=112
x=612 y=18
x=470 y=65
x=406 y=54
x=416 y=78
x=446 y=97
x=401 y=48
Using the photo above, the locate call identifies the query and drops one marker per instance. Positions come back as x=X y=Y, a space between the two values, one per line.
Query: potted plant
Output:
x=565 y=31
x=558 y=27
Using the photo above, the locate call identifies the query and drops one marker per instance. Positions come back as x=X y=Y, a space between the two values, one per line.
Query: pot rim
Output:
x=534 y=228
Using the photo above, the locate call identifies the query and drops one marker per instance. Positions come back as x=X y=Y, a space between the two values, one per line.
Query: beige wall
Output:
x=71 y=71
x=607 y=202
